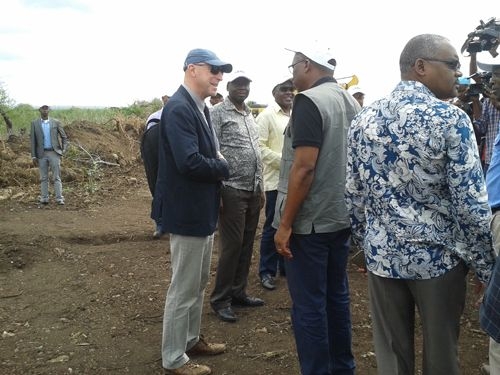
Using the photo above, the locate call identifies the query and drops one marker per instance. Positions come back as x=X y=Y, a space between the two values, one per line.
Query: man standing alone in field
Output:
x=48 y=144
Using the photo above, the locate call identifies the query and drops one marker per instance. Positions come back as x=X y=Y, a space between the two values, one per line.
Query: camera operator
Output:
x=487 y=123
x=469 y=101
x=486 y=37
x=490 y=308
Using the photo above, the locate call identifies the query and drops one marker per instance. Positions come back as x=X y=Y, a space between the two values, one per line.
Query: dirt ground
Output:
x=82 y=286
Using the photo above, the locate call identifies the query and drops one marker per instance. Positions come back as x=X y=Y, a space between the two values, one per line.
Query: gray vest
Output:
x=324 y=209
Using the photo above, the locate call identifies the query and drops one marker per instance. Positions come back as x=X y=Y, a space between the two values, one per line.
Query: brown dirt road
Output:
x=82 y=287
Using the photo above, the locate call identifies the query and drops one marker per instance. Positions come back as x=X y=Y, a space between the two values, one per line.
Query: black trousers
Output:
x=149 y=154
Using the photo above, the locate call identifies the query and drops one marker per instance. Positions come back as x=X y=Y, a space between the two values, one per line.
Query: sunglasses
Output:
x=285 y=89
x=213 y=69
x=451 y=64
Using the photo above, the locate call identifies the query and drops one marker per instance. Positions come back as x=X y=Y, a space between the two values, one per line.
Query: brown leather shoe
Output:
x=204 y=348
x=189 y=368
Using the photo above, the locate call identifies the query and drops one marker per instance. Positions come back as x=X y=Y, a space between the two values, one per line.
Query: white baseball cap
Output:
x=486 y=62
x=236 y=74
x=355 y=89
x=321 y=55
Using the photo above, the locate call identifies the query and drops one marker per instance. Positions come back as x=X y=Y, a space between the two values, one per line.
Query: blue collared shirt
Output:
x=415 y=187
x=493 y=175
x=47 y=144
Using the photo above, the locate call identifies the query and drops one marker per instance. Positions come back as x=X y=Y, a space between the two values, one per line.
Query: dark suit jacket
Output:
x=187 y=194
x=58 y=137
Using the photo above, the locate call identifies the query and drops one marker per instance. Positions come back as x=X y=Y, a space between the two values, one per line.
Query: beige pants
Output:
x=190 y=259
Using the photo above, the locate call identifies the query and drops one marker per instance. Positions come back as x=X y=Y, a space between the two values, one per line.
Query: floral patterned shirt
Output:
x=415 y=188
x=238 y=136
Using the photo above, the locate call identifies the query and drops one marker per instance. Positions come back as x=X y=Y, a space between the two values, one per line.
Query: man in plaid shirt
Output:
x=490 y=308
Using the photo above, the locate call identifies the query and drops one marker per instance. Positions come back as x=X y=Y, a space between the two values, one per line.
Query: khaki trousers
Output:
x=190 y=260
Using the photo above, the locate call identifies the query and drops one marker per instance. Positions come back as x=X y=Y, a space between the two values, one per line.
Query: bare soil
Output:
x=82 y=286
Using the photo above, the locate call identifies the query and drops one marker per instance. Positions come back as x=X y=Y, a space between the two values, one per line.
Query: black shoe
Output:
x=247 y=302
x=226 y=314
x=267 y=282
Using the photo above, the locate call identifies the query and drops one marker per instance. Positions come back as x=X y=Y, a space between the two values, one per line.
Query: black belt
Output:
x=495 y=209
x=48 y=149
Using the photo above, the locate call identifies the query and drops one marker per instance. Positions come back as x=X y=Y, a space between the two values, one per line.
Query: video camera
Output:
x=483 y=86
x=486 y=37
x=475 y=89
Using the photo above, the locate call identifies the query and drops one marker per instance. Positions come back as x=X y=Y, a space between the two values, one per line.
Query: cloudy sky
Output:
x=112 y=53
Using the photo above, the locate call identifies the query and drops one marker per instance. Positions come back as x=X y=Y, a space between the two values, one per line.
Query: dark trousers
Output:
x=149 y=154
x=319 y=288
x=270 y=260
x=440 y=302
x=238 y=222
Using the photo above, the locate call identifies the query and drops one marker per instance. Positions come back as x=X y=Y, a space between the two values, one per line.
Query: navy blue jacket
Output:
x=187 y=193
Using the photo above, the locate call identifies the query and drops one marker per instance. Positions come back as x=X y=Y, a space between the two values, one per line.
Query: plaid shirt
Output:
x=488 y=124
x=489 y=313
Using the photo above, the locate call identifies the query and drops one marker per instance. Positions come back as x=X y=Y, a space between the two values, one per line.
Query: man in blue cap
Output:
x=187 y=196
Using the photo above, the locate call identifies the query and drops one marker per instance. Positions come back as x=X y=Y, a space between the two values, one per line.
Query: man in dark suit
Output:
x=48 y=144
x=187 y=197
x=149 y=154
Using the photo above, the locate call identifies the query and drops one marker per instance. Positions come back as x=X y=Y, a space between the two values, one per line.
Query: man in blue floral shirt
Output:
x=418 y=206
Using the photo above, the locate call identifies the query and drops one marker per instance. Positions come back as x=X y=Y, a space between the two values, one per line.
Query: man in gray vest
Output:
x=311 y=218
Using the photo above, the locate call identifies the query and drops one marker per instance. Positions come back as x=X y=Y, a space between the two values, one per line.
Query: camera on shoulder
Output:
x=486 y=37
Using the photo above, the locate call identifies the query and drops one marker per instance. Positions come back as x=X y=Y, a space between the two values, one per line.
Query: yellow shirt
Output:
x=272 y=122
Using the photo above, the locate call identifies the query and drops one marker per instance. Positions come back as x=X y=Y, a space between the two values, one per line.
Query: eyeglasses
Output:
x=285 y=89
x=451 y=64
x=292 y=67
x=213 y=69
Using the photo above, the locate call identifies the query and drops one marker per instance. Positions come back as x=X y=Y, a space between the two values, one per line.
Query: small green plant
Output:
x=93 y=176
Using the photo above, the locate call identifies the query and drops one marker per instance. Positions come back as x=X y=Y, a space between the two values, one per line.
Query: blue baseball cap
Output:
x=199 y=55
